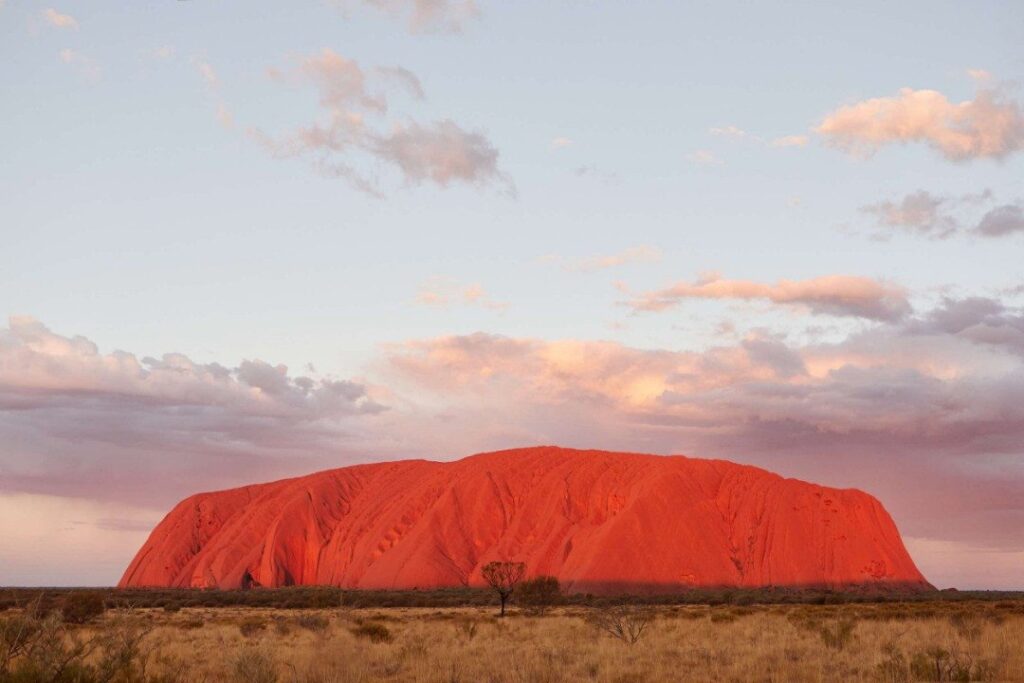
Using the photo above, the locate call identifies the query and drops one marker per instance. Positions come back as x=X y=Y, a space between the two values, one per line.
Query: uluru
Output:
x=599 y=521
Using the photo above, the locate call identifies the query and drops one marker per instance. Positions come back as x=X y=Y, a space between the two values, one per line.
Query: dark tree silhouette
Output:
x=538 y=593
x=503 y=577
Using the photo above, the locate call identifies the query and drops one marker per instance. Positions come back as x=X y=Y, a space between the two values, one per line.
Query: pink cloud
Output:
x=445 y=16
x=55 y=18
x=442 y=292
x=113 y=425
x=842 y=295
x=86 y=66
x=353 y=132
x=641 y=253
x=989 y=126
x=441 y=152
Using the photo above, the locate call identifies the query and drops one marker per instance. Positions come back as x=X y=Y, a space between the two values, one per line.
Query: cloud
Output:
x=352 y=131
x=919 y=212
x=592 y=171
x=980 y=320
x=560 y=143
x=55 y=18
x=404 y=78
x=939 y=217
x=441 y=151
x=163 y=52
x=90 y=424
x=446 y=16
x=207 y=72
x=87 y=67
x=443 y=292
x=980 y=75
x=640 y=253
x=841 y=295
x=791 y=141
x=704 y=158
x=213 y=86
x=1002 y=221
x=729 y=132
x=735 y=133
x=989 y=126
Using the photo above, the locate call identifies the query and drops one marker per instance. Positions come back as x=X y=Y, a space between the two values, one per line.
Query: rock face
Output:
x=599 y=521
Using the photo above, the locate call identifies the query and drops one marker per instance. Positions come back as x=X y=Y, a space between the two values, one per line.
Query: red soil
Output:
x=599 y=521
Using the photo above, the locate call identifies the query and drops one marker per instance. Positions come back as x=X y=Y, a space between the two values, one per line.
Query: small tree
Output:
x=503 y=577
x=538 y=593
x=625 y=622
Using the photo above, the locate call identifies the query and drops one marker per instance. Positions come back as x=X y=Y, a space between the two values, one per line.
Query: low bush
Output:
x=624 y=622
x=317 y=623
x=254 y=665
x=837 y=634
x=252 y=626
x=80 y=607
x=375 y=633
x=939 y=664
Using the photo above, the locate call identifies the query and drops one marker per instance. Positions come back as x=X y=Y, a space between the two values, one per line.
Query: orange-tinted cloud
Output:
x=442 y=292
x=55 y=18
x=989 y=126
x=842 y=295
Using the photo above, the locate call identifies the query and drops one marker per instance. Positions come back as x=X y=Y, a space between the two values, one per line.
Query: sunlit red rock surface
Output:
x=599 y=521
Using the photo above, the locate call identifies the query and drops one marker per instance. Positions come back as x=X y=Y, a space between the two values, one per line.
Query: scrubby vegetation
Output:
x=615 y=642
x=323 y=597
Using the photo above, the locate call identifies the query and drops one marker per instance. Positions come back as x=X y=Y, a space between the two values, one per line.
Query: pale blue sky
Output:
x=132 y=217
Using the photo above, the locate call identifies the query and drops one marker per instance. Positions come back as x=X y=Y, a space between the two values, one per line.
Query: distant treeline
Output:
x=307 y=597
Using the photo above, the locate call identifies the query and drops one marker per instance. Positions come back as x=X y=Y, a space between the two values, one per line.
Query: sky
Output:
x=245 y=241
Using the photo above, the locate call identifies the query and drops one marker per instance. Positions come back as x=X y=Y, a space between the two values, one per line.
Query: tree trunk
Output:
x=504 y=598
